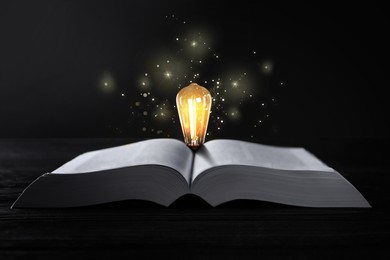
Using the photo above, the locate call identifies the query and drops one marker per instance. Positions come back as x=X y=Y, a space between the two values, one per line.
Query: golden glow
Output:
x=194 y=105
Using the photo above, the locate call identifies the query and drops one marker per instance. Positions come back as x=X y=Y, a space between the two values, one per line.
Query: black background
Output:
x=333 y=58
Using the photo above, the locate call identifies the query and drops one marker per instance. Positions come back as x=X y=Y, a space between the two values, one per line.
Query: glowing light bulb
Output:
x=194 y=104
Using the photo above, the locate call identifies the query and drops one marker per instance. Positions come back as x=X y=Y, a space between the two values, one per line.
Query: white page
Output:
x=167 y=152
x=233 y=152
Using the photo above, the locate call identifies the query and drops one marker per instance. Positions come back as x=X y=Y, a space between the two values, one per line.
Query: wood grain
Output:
x=190 y=228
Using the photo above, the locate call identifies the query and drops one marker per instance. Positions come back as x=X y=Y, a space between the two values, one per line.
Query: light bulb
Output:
x=194 y=104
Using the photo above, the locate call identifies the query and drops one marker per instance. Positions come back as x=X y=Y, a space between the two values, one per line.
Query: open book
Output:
x=162 y=170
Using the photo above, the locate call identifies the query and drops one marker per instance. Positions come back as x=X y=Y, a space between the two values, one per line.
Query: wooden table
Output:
x=190 y=228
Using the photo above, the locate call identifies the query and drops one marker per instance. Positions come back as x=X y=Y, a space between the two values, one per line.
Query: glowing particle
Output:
x=167 y=61
x=122 y=95
x=168 y=75
x=158 y=66
x=235 y=83
x=194 y=43
x=267 y=67
x=137 y=104
x=144 y=129
x=145 y=95
x=105 y=84
x=177 y=39
x=152 y=99
x=145 y=113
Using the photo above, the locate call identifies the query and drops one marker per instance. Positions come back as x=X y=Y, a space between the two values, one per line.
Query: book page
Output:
x=167 y=152
x=233 y=152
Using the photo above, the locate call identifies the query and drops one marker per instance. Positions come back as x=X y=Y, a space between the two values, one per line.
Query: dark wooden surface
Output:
x=190 y=228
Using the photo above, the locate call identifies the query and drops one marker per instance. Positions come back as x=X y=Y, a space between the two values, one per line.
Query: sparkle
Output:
x=105 y=84
x=267 y=67
x=230 y=90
